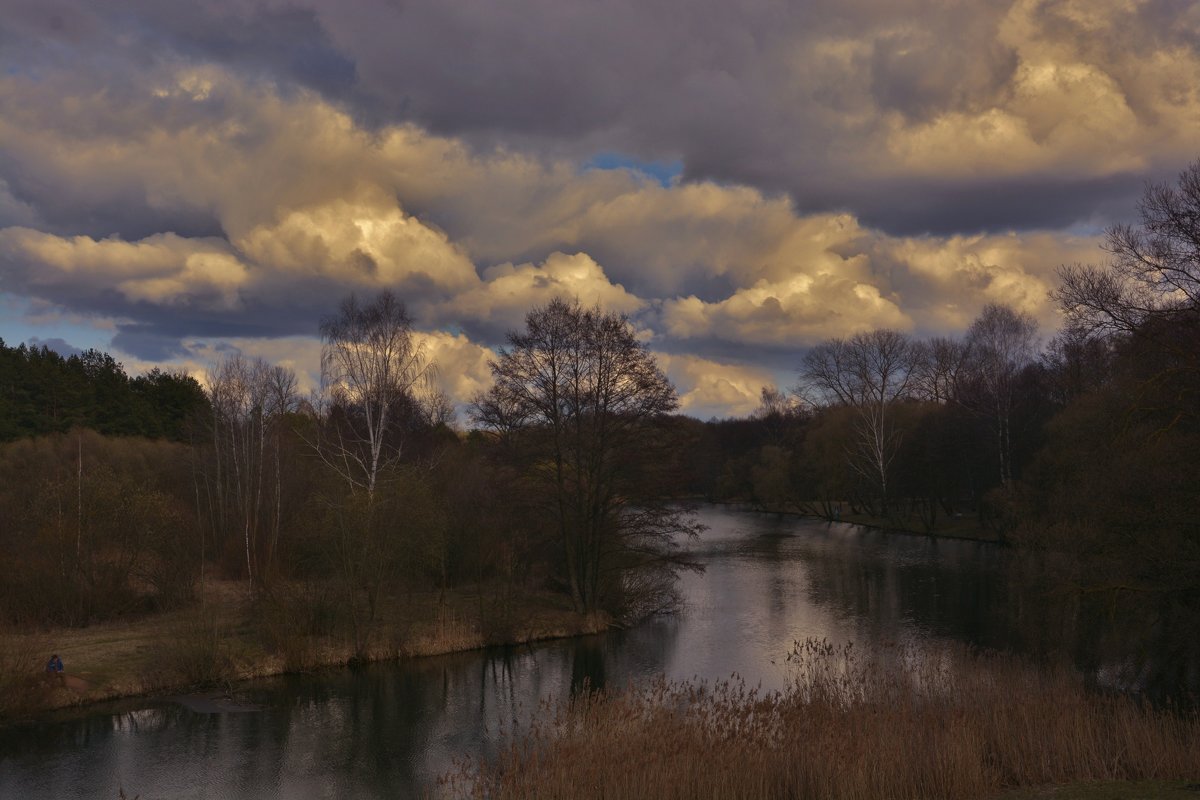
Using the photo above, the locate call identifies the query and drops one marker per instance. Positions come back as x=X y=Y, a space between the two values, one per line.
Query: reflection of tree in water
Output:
x=1150 y=644
x=980 y=595
x=952 y=589
x=588 y=668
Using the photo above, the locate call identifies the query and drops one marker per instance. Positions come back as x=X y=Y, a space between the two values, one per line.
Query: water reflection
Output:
x=389 y=730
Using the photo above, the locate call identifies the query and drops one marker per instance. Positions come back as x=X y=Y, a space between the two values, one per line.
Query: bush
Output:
x=199 y=653
x=294 y=621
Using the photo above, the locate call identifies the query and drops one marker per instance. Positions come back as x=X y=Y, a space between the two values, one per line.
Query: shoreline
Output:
x=92 y=679
x=413 y=633
x=973 y=533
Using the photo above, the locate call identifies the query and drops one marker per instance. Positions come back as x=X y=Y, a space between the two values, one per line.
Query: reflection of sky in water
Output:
x=387 y=731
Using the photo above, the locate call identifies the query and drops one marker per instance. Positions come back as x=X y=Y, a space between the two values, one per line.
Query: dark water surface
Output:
x=387 y=731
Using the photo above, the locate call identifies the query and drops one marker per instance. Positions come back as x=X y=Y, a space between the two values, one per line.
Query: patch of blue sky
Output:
x=665 y=172
x=21 y=322
x=1087 y=228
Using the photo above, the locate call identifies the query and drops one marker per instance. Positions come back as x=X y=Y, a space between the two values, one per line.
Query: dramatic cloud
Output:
x=500 y=303
x=842 y=104
x=221 y=174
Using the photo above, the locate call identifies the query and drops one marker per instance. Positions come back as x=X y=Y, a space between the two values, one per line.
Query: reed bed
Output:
x=903 y=724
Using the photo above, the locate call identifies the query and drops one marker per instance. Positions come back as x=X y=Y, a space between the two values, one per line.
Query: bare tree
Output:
x=939 y=369
x=1155 y=266
x=1149 y=293
x=777 y=405
x=581 y=389
x=281 y=399
x=237 y=394
x=1077 y=361
x=1001 y=342
x=869 y=372
x=777 y=410
x=370 y=365
x=248 y=400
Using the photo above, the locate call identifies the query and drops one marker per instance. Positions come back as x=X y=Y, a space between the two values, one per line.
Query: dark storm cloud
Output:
x=918 y=73
x=774 y=95
x=783 y=96
x=113 y=210
x=1026 y=202
x=159 y=333
x=277 y=41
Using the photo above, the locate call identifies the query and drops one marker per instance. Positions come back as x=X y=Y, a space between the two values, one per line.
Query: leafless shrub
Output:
x=199 y=653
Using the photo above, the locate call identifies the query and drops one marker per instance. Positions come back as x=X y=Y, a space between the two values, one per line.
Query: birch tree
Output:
x=248 y=400
x=371 y=366
x=1001 y=342
x=869 y=373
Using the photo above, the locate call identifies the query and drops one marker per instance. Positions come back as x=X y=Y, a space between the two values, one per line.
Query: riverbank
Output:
x=1111 y=790
x=964 y=527
x=227 y=636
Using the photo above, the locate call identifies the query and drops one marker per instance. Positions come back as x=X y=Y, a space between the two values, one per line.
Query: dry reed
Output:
x=904 y=724
x=24 y=685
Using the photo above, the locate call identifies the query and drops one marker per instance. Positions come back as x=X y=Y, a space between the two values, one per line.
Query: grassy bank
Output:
x=941 y=724
x=227 y=636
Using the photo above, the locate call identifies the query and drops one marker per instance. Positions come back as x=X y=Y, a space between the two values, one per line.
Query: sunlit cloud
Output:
x=507 y=292
x=710 y=388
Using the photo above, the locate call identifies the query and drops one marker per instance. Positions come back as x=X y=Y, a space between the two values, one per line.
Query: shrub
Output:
x=199 y=653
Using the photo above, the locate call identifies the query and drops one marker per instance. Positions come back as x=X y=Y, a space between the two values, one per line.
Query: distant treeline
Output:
x=42 y=392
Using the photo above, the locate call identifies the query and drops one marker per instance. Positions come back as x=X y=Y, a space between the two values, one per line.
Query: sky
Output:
x=180 y=181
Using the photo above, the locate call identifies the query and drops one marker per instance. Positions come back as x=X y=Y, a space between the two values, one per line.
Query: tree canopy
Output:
x=42 y=392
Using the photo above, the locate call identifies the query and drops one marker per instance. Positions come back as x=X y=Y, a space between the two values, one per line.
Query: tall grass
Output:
x=300 y=624
x=200 y=652
x=24 y=685
x=907 y=724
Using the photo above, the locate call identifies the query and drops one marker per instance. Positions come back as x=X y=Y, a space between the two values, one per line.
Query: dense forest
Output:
x=123 y=495
x=41 y=392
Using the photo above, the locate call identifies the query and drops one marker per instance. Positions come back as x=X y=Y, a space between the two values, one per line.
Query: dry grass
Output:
x=1111 y=790
x=24 y=686
x=904 y=725
x=229 y=637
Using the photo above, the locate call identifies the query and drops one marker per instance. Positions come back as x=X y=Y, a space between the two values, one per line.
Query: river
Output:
x=389 y=730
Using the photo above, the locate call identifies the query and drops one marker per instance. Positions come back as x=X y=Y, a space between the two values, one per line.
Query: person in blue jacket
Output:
x=54 y=664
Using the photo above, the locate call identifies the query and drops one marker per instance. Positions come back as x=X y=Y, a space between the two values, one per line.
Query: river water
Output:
x=389 y=730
